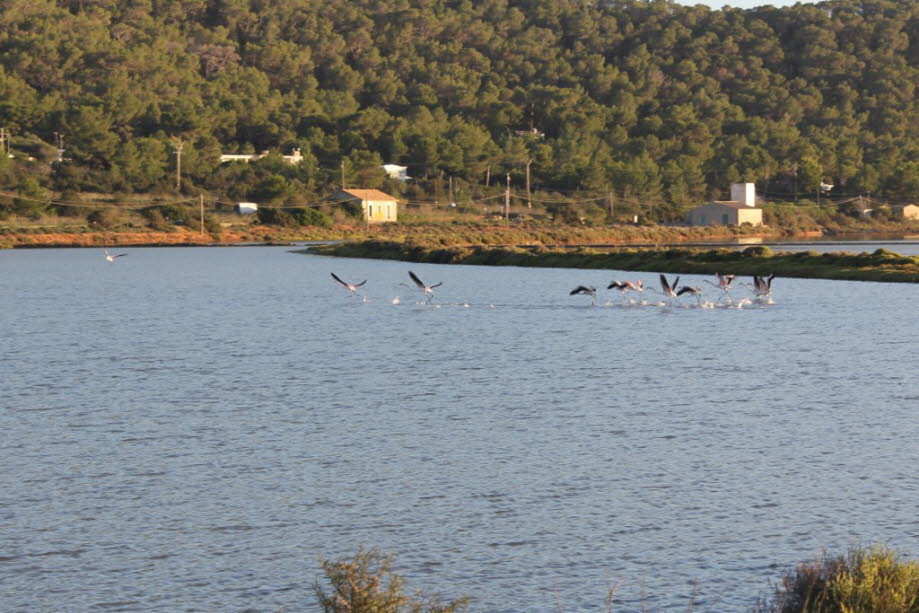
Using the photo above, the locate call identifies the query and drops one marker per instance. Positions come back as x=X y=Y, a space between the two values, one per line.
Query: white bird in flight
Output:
x=111 y=258
x=427 y=290
x=351 y=287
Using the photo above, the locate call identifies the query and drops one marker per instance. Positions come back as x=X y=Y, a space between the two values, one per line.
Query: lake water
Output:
x=194 y=429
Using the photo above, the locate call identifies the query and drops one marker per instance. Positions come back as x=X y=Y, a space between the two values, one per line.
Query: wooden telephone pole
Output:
x=529 y=203
x=201 y=204
x=507 y=200
x=178 y=147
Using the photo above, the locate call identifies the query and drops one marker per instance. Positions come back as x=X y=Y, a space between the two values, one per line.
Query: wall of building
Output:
x=720 y=215
x=380 y=210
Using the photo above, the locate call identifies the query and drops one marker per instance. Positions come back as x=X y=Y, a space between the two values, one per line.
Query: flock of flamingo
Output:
x=671 y=291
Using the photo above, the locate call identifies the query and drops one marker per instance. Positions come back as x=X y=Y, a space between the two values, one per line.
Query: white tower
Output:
x=744 y=193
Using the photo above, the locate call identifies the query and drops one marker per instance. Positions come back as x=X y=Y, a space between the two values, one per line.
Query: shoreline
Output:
x=524 y=235
x=881 y=265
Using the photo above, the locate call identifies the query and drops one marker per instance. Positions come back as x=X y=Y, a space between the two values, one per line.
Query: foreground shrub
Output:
x=367 y=584
x=873 y=581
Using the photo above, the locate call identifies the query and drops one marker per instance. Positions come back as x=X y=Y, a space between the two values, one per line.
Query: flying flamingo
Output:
x=762 y=286
x=351 y=287
x=111 y=258
x=427 y=290
x=724 y=284
x=622 y=286
x=695 y=291
x=668 y=289
x=627 y=286
x=586 y=290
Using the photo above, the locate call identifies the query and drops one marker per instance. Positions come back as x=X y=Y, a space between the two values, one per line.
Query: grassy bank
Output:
x=427 y=235
x=432 y=234
x=881 y=265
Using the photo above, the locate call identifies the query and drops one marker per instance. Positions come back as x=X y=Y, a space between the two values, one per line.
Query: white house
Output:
x=394 y=171
x=293 y=158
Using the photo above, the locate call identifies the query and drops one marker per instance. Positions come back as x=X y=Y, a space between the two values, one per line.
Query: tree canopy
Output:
x=641 y=98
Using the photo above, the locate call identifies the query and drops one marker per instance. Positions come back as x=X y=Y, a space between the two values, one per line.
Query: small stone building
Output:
x=740 y=209
x=724 y=213
x=905 y=211
x=377 y=206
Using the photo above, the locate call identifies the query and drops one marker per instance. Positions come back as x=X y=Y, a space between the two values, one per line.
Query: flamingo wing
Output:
x=435 y=285
x=416 y=279
x=361 y=283
x=664 y=285
x=334 y=276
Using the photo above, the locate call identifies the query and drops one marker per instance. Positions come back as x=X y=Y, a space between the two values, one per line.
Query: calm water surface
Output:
x=194 y=429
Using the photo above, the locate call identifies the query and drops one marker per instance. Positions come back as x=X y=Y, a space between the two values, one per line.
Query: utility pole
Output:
x=178 y=147
x=488 y=176
x=529 y=204
x=59 y=139
x=4 y=141
x=450 y=179
x=610 y=200
x=343 y=174
x=507 y=200
x=201 y=203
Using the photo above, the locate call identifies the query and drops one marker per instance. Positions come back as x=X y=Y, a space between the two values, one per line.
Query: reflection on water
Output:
x=192 y=429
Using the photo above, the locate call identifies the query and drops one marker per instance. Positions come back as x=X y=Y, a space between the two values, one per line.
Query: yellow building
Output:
x=377 y=206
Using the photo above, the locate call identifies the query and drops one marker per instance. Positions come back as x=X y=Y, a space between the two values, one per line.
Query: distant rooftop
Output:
x=369 y=194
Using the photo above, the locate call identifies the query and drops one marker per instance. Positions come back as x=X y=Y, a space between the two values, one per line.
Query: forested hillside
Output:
x=650 y=100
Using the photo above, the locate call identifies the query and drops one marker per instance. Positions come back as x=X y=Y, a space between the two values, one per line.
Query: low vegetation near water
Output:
x=875 y=580
x=881 y=265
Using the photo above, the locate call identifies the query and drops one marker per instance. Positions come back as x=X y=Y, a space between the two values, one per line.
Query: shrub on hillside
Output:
x=293 y=217
x=105 y=218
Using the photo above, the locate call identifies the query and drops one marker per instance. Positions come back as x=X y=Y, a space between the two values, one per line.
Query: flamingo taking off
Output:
x=695 y=291
x=762 y=286
x=724 y=284
x=111 y=258
x=586 y=290
x=351 y=287
x=669 y=289
x=427 y=290
x=627 y=286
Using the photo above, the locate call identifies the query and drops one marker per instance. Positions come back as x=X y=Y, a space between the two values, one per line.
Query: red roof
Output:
x=369 y=194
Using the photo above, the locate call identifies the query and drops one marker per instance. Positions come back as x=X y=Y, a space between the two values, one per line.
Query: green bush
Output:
x=156 y=220
x=758 y=251
x=293 y=217
x=105 y=218
x=865 y=581
x=367 y=584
